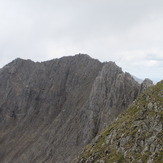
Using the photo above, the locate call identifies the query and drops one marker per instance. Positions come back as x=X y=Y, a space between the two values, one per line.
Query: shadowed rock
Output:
x=59 y=106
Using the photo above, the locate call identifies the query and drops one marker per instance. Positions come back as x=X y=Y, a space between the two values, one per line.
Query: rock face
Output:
x=49 y=111
x=135 y=136
x=145 y=85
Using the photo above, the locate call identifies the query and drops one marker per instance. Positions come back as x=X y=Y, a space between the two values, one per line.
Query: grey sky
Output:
x=128 y=32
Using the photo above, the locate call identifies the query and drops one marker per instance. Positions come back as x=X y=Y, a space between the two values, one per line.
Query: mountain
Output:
x=147 y=83
x=136 y=135
x=50 y=110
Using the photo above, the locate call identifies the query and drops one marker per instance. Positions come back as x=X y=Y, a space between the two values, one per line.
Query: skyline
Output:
x=128 y=33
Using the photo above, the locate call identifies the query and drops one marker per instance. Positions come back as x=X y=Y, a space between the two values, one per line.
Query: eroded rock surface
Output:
x=147 y=83
x=49 y=111
x=135 y=136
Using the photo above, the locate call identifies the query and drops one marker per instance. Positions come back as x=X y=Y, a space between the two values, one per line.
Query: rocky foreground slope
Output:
x=49 y=111
x=135 y=137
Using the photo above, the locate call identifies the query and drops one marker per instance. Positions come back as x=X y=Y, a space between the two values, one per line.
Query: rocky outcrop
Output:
x=135 y=136
x=49 y=111
x=145 y=85
x=111 y=93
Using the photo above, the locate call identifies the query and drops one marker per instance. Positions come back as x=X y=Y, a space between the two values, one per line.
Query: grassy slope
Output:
x=136 y=135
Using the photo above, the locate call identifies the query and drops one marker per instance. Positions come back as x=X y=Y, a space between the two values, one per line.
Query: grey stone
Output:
x=147 y=83
x=124 y=140
x=101 y=161
x=60 y=106
x=160 y=94
x=150 y=105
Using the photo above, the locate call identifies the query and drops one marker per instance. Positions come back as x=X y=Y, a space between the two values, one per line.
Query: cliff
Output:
x=135 y=137
x=49 y=111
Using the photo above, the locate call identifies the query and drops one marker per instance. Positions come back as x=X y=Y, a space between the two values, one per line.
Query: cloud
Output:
x=128 y=32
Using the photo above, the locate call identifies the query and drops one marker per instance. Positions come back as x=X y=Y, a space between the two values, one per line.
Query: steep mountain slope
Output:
x=50 y=110
x=135 y=136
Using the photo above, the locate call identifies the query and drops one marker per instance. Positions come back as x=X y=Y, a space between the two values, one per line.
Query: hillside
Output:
x=135 y=137
x=50 y=110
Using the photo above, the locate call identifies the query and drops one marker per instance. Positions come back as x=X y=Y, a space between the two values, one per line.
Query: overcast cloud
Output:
x=125 y=31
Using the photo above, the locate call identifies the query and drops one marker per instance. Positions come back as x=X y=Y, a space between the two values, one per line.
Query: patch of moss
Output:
x=124 y=126
x=113 y=156
x=145 y=156
x=151 y=113
x=86 y=152
x=159 y=157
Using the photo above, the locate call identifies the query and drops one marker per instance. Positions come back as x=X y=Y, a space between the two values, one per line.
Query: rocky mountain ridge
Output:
x=136 y=136
x=49 y=111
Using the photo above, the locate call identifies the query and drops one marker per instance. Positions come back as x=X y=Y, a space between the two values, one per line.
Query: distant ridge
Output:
x=137 y=79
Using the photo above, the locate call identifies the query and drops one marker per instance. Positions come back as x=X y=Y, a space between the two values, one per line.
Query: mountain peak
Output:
x=51 y=110
x=82 y=55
